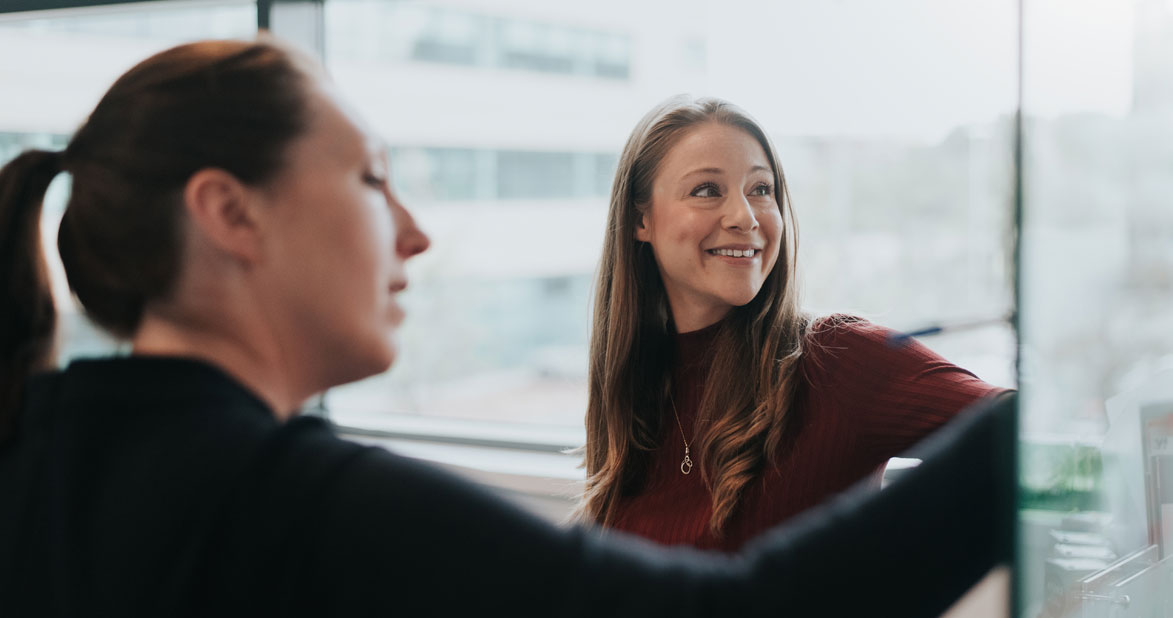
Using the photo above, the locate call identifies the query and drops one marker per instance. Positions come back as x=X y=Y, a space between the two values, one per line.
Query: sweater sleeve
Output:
x=403 y=538
x=889 y=393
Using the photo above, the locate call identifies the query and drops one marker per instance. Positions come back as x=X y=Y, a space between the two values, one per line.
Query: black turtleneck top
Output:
x=162 y=487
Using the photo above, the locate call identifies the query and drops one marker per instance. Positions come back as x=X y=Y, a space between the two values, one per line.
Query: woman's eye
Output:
x=375 y=180
x=762 y=190
x=706 y=190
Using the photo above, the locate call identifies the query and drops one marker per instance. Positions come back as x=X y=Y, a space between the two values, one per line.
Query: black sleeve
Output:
x=913 y=548
x=404 y=537
x=401 y=537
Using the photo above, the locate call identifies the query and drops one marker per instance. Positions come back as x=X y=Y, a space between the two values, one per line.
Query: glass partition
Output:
x=1096 y=426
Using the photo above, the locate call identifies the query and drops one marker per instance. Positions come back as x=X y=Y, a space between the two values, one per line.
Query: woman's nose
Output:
x=739 y=214
x=410 y=240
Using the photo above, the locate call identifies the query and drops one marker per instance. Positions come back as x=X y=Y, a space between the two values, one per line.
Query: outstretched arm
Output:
x=403 y=537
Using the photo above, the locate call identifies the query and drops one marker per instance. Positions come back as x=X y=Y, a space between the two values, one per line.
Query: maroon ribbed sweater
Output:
x=860 y=401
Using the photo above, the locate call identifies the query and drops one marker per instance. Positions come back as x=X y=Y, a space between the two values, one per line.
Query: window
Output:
x=443 y=174
x=504 y=137
x=437 y=174
x=488 y=37
x=449 y=36
x=523 y=175
x=899 y=161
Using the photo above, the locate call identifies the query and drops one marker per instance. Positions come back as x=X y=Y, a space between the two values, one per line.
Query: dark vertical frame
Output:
x=264 y=11
x=1012 y=471
x=298 y=21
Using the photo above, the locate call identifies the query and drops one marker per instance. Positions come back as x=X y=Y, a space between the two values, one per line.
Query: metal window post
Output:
x=300 y=22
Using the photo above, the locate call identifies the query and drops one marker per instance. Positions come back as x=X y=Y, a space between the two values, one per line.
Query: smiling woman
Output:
x=715 y=230
x=701 y=357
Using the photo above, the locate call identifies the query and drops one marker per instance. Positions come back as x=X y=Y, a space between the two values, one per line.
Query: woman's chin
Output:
x=741 y=298
x=376 y=360
x=386 y=359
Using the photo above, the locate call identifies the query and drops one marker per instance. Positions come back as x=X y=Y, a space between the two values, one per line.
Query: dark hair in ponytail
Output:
x=28 y=318
x=230 y=105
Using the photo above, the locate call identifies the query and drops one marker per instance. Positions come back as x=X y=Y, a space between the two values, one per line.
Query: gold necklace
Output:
x=686 y=464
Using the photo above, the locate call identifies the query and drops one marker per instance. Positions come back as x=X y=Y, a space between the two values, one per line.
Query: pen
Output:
x=950 y=327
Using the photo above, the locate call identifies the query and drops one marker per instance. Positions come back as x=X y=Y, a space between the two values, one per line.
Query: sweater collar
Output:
x=155 y=379
x=693 y=352
x=695 y=347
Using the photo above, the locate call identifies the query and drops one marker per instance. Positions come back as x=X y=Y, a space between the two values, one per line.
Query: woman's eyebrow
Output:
x=716 y=170
x=704 y=170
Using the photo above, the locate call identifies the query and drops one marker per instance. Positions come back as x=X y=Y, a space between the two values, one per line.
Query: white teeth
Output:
x=734 y=252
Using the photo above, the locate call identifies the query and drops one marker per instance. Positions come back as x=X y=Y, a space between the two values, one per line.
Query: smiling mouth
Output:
x=738 y=253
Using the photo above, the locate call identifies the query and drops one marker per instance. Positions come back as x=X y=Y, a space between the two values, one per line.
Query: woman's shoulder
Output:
x=829 y=335
x=843 y=344
x=306 y=448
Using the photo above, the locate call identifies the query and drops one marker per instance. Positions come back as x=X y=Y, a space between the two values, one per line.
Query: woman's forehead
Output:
x=337 y=128
x=715 y=148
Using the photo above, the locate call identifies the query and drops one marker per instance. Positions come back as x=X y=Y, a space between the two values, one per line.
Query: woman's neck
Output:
x=260 y=368
x=689 y=317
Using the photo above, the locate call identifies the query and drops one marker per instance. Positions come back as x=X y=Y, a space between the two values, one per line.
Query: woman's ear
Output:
x=643 y=228
x=222 y=207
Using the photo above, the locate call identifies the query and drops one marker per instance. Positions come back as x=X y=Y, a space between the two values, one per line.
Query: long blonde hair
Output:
x=632 y=338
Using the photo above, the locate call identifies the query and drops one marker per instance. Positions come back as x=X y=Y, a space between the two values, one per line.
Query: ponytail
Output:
x=230 y=105
x=27 y=315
